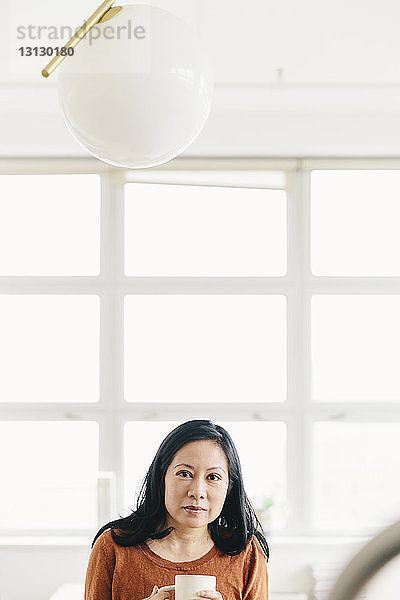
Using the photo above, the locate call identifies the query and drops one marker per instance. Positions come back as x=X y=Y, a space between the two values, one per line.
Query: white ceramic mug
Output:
x=187 y=586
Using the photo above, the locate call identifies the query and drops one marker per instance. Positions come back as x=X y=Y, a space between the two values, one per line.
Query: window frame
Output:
x=111 y=285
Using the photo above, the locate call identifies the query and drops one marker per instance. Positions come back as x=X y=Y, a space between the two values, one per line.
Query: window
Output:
x=262 y=294
x=49 y=347
x=354 y=222
x=356 y=474
x=50 y=475
x=49 y=224
x=183 y=230
x=205 y=348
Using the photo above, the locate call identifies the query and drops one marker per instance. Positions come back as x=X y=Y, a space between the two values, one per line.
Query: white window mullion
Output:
x=299 y=452
x=111 y=329
x=207 y=285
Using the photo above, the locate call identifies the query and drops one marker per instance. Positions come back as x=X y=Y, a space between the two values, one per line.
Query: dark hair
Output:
x=230 y=531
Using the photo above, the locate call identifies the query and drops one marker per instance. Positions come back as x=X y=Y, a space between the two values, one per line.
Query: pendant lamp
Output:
x=135 y=86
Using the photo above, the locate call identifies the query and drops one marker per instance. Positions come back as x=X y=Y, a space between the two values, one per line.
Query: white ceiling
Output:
x=331 y=65
x=253 y=42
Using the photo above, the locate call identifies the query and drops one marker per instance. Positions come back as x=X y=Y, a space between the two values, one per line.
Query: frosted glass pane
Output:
x=205 y=348
x=355 y=342
x=356 y=474
x=263 y=467
x=354 y=223
x=253 y=178
x=262 y=451
x=49 y=473
x=49 y=348
x=49 y=225
x=141 y=442
x=203 y=231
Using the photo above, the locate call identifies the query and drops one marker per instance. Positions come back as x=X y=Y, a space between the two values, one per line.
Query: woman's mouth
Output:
x=193 y=510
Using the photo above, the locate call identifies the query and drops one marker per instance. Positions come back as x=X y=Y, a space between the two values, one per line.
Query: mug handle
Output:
x=166 y=588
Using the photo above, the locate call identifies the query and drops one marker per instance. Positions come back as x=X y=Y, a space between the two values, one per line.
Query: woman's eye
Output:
x=181 y=472
x=214 y=476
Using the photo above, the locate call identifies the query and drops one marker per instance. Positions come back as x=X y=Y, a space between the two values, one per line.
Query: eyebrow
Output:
x=190 y=467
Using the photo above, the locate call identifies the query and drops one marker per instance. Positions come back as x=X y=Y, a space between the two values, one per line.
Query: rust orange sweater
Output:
x=129 y=573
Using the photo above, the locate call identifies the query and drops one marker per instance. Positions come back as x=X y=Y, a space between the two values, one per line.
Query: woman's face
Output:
x=197 y=477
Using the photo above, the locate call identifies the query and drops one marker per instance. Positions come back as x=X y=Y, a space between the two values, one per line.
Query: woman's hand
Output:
x=158 y=595
x=211 y=594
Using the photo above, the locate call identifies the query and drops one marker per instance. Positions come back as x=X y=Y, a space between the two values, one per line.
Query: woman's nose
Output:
x=197 y=489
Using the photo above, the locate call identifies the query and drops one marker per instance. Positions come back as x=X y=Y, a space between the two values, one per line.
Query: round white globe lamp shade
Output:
x=138 y=89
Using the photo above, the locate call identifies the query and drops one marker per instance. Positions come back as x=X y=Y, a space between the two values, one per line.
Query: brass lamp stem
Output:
x=79 y=35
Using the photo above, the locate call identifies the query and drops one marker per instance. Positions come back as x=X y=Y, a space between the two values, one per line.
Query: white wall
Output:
x=266 y=121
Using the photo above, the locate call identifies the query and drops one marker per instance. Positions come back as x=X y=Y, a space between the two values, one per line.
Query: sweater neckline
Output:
x=186 y=565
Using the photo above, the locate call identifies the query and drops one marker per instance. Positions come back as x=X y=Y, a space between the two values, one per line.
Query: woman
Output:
x=193 y=517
